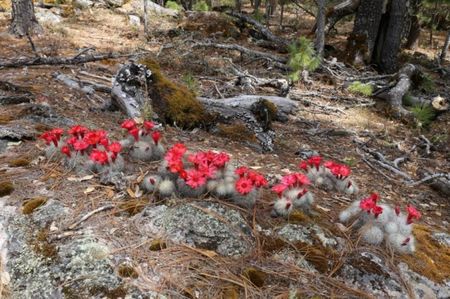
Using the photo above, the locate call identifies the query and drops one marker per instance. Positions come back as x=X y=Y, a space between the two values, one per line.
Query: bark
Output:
x=320 y=32
x=377 y=33
x=445 y=48
x=23 y=19
x=412 y=41
x=238 y=5
x=390 y=37
x=361 y=42
x=338 y=12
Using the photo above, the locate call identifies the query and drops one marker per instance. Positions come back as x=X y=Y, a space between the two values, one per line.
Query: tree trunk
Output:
x=445 y=48
x=414 y=34
x=238 y=5
x=146 y=18
x=377 y=33
x=320 y=31
x=23 y=19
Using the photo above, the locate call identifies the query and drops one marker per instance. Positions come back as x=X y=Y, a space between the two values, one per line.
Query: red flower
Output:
x=80 y=145
x=66 y=151
x=104 y=142
x=412 y=214
x=374 y=196
x=315 y=161
x=303 y=165
x=148 y=125
x=78 y=131
x=279 y=189
x=260 y=181
x=183 y=174
x=397 y=210
x=244 y=186
x=289 y=180
x=302 y=179
x=377 y=210
x=339 y=170
x=301 y=193
x=241 y=171
x=195 y=178
x=128 y=124
x=156 y=136
x=57 y=132
x=100 y=157
x=115 y=147
x=367 y=204
x=329 y=164
x=220 y=159
x=72 y=140
x=49 y=137
x=92 y=138
x=134 y=132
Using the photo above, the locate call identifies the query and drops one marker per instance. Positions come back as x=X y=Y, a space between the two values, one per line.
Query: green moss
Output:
x=174 y=103
x=127 y=271
x=257 y=277
x=201 y=6
x=32 y=204
x=360 y=88
x=190 y=82
x=230 y=292
x=19 y=162
x=6 y=188
x=157 y=245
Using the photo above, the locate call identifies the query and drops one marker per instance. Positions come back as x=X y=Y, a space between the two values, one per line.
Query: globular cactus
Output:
x=282 y=207
x=150 y=183
x=293 y=188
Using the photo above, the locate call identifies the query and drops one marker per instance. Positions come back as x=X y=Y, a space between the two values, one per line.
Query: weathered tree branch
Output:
x=20 y=62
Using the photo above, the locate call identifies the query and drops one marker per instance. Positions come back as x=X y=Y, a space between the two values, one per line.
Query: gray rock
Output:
x=16 y=133
x=368 y=272
x=115 y=3
x=306 y=234
x=46 y=16
x=82 y=4
x=134 y=20
x=202 y=224
x=442 y=237
x=136 y=7
x=53 y=210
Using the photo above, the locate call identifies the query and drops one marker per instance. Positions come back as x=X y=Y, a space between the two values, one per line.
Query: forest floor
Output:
x=331 y=132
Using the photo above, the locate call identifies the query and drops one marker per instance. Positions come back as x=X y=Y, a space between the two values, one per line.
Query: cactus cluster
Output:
x=380 y=222
x=190 y=174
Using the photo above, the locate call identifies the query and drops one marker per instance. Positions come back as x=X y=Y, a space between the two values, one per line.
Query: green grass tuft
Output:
x=360 y=88
x=191 y=82
x=201 y=6
x=424 y=115
x=173 y=5
x=302 y=56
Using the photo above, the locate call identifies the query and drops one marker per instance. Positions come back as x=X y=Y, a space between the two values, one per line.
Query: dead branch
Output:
x=85 y=86
x=281 y=43
x=20 y=62
x=90 y=214
x=279 y=62
x=428 y=144
x=430 y=177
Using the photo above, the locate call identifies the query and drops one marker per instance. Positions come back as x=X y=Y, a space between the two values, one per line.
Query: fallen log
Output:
x=138 y=85
x=77 y=59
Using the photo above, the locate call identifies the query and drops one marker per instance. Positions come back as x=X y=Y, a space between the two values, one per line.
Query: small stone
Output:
x=135 y=21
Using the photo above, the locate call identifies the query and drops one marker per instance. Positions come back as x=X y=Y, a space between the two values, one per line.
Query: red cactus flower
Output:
x=221 y=159
x=49 y=137
x=115 y=147
x=303 y=165
x=80 y=145
x=135 y=133
x=329 y=164
x=183 y=174
x=92 y=138
x=315 y=161
x=397 y=210
x=260 y=181
x=148 y=125
x=66 y=151
x=377 y=210
x=244 y=186
x=195 y=178
x=71 y=140
x=289 y=180
x=279 y=189
x=367 y=204
x=156 y=136
x=128 y=124
x=78 y=131
x=412 y=214
x=374 y=196
x=302 y=179
x=100 y=157
x=57 y=132
x=104 y=142
x=241 y=171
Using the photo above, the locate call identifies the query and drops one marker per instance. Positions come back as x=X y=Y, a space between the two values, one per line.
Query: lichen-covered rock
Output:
x=442 y=238
x=306 y=234
x=201 y=224
x=368 y=272
x=53 y=210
